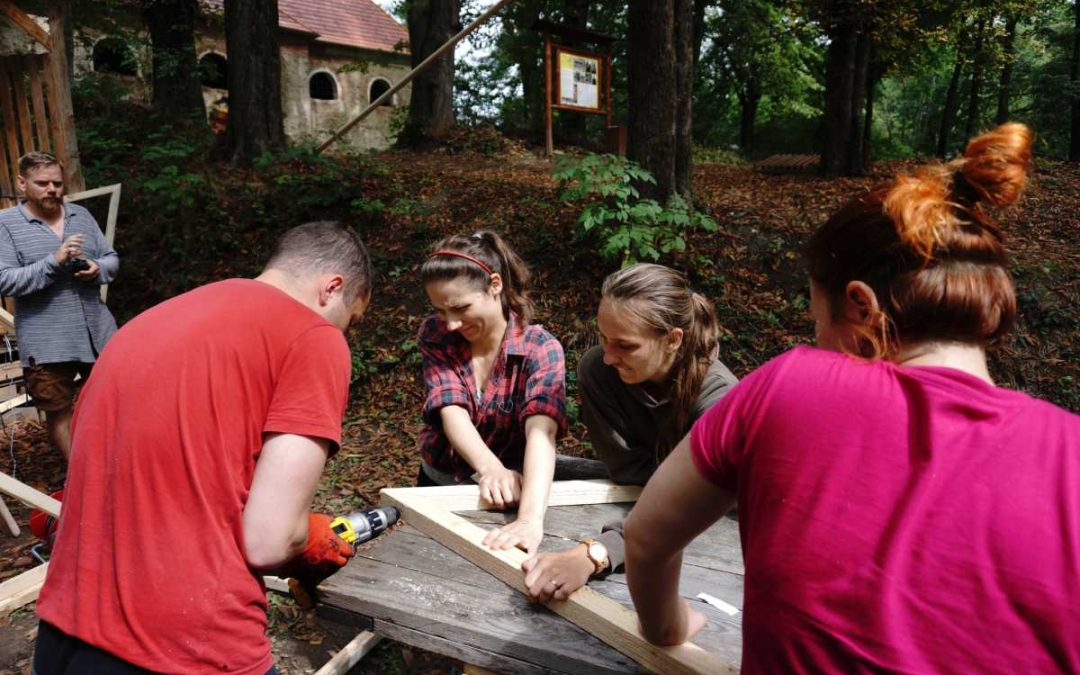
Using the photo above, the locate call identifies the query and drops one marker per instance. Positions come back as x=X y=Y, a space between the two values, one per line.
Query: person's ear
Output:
x=860 y=304
x=20 y=182
x=674 y=340
x=495 y=285
x=328 y=286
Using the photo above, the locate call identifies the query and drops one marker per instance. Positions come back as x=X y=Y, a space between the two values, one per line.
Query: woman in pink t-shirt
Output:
x=897 y=510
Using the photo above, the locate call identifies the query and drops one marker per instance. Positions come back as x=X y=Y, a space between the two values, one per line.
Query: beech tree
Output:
x=431 y=106
x=176 y=88
x=661 y=64
x=256 y=123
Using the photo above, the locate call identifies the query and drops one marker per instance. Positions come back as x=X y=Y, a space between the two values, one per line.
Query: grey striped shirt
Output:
x=57 y=317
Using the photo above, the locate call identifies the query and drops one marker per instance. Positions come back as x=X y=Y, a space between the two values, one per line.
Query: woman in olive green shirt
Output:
x=654 y=373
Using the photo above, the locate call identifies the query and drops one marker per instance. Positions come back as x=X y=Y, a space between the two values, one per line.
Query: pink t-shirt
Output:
x=149 y=561
x=899 y=518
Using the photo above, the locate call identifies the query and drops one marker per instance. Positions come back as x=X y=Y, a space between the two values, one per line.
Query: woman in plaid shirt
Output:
x=496 y=385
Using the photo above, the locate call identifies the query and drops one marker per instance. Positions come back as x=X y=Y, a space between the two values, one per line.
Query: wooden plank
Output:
x=488 y=616
x=563 y=493
x=579 y=468
x=22 y=106
x=37 y=98
x=23 y=589
x=35 y=498
x=10 y=155
x=15 y=402
x=55 y=129
x=25 y=22
x=457 y=650
x=6 y=317
x=350 y=654
x=477 y=670
x=9 y=520
x=58 y=71
x=717 y=549
x=604 y=618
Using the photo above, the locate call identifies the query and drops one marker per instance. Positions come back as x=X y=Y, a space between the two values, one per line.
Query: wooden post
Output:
x=25 y=22
x=548 y=115
x=58 y=73
x=607 y=94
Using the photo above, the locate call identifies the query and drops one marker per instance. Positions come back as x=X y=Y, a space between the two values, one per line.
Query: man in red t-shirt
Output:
x=197 y=444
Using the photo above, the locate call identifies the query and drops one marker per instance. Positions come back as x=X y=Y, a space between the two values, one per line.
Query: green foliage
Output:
x=627 y=227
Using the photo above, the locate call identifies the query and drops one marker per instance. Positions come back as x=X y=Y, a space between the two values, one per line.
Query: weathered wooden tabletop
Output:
x=414 y=590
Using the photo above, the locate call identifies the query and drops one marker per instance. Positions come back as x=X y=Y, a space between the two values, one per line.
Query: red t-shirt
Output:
x=899 y=518
x=149 y=561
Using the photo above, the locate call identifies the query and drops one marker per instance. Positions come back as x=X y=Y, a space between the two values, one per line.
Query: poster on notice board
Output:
x=579 y=80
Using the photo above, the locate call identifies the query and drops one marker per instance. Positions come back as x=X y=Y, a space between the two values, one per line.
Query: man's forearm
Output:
x=19 y=281
x=109 y=266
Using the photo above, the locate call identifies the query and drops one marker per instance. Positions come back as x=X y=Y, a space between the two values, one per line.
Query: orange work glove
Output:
x=324 y=553
x=43 y=525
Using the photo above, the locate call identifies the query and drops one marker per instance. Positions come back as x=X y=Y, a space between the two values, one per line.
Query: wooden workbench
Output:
x=409 y=588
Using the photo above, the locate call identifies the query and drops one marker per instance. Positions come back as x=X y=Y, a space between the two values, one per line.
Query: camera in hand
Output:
x=77 y=265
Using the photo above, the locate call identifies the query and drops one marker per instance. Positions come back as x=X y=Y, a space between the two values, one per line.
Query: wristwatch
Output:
x=597 y=554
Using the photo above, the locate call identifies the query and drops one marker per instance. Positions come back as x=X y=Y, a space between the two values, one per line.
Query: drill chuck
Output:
x=361 y=526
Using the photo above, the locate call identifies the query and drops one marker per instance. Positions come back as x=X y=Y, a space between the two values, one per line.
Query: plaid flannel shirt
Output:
x=528 y=378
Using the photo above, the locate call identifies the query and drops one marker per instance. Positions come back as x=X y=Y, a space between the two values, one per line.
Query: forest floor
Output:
x=750 y=268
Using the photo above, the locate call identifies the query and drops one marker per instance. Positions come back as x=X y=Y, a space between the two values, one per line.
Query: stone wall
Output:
x=353 y=71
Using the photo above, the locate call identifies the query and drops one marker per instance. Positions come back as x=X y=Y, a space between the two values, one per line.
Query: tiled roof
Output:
x=353 y=23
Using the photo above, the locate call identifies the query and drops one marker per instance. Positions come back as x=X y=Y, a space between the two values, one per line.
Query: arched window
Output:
x=113 y=55
x=379 y=87
x=321 y=85
x=214 y=70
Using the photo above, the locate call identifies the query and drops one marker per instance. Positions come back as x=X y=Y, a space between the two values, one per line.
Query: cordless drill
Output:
x=355 y=528
x=364 y=525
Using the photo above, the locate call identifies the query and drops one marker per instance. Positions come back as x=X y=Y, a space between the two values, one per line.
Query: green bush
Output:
x=627 y=227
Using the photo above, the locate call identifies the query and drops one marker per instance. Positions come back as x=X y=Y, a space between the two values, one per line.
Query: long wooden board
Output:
x=35 y=498
x=600 y=616
x=563 y=493
x=23 y=589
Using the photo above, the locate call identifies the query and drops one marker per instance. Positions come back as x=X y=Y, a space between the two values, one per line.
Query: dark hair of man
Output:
x=325 y=247
x=33 y=160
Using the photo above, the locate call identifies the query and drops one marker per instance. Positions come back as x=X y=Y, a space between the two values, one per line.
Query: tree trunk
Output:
x=431 y=107
x=684 y=96
x=255 y=120
x=177 y=89
x=1005 y=83
x=952 y=103
x=652 y=92
x=859 y=83
x=748 y=107
x=839 y=83
x=977 y=69
x=868 y=120
x=1074 y=143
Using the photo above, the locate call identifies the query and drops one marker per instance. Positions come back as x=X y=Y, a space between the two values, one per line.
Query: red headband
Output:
x=463 y=256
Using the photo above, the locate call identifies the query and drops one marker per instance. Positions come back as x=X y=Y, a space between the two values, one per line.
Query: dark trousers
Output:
x=57 y=653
